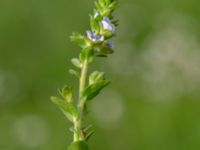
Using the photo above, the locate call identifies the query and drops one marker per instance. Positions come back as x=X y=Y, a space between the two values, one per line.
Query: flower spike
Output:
x=95 y=43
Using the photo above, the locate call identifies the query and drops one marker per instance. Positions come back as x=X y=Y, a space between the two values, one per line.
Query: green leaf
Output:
x=115 y=22
x=102 y=3
x=107 y=33
x=79 y=145
x=98 y=7
x=103 y=49
x=76 y=62
x=96 y=76
x=107 y=2
x=94 y=24
x=67 y=108
x=79 y=39
x=94 y=89
x=87 y=132
x=113 y=5
x=87 y=128
x=88 y=135
x=75 y=73
x=86 y=54
x=101 y=55
x=66 y=93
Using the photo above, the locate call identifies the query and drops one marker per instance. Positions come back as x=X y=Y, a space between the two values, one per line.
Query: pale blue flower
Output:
x=94 y=37
x=111 y=45
x=107 y=24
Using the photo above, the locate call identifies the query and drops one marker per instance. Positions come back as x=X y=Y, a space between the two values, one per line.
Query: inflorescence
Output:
x=95 y=43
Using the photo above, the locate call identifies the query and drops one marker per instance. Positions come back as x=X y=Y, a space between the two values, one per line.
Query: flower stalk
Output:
x=81 y=104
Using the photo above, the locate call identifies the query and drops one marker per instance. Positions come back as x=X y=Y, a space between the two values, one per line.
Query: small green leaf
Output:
x=75 y=73
x=76 y=62
x=102 y=3
x=107 y=33
x=113 y=5
x=67 y=108
x=66 y=93
x=79 y=39
x=86 y=54
x=94 y=24
x=103 y=49
x=96 y=76
x=98 y=6
x=107 y=2
x=88 y=135
x=94 y=89
x=87 y=132
x=115 y=22
x=79 y=145
x=101 y=55
x=87 y=128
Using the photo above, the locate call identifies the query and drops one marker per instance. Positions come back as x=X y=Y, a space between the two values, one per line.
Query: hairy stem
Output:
x=81 y=102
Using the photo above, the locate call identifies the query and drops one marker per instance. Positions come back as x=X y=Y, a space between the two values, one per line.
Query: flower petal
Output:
x=94 y=37
x=107 y=25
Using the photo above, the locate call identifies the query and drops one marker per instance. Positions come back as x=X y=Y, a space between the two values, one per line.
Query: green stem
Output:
x=81 y=103
x=83 y=78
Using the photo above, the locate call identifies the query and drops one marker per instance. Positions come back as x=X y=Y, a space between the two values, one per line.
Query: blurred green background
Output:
x=153 y=102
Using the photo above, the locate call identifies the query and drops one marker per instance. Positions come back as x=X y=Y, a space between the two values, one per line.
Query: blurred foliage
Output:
x=153 y=100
